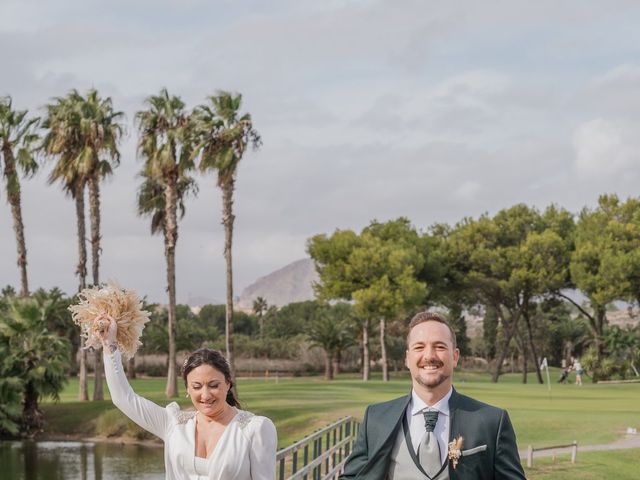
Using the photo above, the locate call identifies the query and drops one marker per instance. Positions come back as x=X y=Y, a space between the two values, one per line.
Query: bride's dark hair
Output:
x=215 y=359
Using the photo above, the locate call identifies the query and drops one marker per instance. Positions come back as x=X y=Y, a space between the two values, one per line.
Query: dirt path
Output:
x=626 y=441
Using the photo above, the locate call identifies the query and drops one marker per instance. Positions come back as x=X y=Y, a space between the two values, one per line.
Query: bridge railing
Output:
x=319 y=456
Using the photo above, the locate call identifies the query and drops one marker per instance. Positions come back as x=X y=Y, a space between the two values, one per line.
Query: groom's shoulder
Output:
x=388 y=406
x=470 y=404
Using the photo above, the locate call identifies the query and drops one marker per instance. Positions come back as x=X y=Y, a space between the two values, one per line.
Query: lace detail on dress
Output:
x=244 y=418
x=181 y=417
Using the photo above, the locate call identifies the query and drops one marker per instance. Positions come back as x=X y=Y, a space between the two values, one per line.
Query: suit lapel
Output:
x=453 y=427
x=388 y=424
x=383 y=427
x=453 y=410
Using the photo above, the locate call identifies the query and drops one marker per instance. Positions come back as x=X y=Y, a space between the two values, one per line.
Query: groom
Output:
x=434 y=432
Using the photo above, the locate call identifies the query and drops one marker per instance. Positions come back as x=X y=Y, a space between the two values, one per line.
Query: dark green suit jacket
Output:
x=478 y=423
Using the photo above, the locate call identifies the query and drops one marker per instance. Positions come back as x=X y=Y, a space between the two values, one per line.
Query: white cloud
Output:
x=604 y=149
x=467 y=190
x=614 y=93
x=367 y=109
x=626 y=75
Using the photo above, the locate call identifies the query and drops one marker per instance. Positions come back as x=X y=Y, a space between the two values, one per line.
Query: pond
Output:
x=29 y=460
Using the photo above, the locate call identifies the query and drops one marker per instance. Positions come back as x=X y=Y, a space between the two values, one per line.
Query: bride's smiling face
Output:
x=208 y=389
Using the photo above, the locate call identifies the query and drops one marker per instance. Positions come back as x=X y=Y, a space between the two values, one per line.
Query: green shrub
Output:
x=10 y=396
x=114 y=423
x=151 y=369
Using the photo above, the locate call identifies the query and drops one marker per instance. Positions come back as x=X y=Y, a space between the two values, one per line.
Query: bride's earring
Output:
x=187 y=395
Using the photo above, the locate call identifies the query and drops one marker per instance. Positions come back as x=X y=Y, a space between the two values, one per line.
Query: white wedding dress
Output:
x=246 y=450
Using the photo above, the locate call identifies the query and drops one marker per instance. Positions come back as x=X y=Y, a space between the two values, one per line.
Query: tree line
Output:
x=39 y=344
x=520 y=270
x=79 y=135
x=524 y=270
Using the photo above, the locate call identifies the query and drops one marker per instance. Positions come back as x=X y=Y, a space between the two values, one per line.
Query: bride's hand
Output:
x=107 y=329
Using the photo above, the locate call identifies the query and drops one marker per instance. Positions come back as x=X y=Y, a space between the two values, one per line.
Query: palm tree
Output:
x=151 y=203
x=83 y=134
x=34 y=354
x=17 y=137
x=166 y=147
x=99 y=131
x=59 y=143
x=259 y=308
x=331 y=329
x=151 y=200
x=223 y=137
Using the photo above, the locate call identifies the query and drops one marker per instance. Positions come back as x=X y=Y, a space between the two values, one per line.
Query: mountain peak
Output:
x=292 y=283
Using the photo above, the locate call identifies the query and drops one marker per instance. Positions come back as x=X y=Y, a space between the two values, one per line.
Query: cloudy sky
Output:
x=367 y=109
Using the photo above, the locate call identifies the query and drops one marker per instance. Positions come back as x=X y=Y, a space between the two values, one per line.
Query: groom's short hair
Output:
x=426 y=316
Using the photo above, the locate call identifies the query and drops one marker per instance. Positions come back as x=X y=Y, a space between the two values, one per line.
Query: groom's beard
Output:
x=432 y=381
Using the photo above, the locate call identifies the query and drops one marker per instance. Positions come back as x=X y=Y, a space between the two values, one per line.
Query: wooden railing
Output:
x=319 y=456
x=531 y=450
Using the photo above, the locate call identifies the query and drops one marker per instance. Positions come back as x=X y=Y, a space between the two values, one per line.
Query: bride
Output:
x=217 y=441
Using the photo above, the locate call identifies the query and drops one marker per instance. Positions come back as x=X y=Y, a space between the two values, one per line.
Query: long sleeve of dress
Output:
x=145 y=413
x=262 y=455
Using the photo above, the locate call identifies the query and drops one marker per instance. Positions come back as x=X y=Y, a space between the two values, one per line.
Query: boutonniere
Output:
x=455 y=450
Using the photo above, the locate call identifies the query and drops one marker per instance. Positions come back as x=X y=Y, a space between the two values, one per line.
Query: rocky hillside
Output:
x=286 y=285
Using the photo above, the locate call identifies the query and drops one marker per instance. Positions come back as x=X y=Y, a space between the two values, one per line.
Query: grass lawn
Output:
x=618 y=464
x=590 y=414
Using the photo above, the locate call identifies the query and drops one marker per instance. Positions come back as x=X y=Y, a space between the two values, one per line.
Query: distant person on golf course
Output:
x=579 y=371
x=565 y=374
x=434 y=432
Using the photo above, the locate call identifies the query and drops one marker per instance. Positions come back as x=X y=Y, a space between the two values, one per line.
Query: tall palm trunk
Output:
x=81 y=271
x=336 y=363
x=83 y=391
x=13 y=196
x=227 y=221
x=383 y=351
x=171 y=237
x=94 y=212
x=131 y=368
x=32 y=416
x=328 y=362
x=94 y=215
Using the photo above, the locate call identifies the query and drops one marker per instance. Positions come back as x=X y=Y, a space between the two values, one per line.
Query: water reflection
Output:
x=28 y=460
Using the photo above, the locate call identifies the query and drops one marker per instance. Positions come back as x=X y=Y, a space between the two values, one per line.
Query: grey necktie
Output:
x=429 y=449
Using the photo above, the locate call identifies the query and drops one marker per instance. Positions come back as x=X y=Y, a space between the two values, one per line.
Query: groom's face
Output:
x=431 y=356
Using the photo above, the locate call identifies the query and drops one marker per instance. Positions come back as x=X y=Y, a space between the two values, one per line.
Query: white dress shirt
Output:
x=415 y=419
